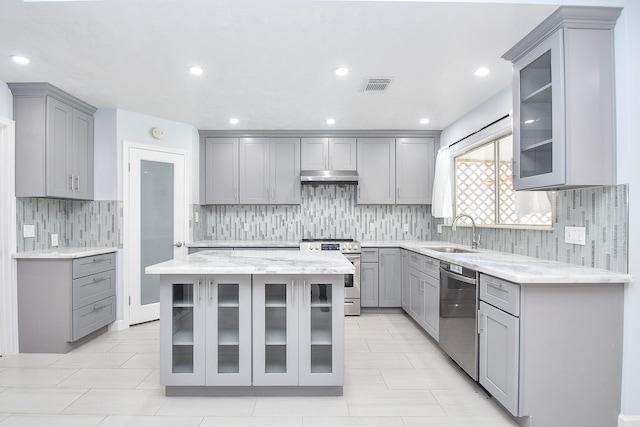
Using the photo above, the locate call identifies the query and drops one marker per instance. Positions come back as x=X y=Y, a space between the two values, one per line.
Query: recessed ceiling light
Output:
x=331 y=121
x=481 y=72
x=20 y=59
x=424 y=121
x=196 y=71
x=342 y=71
x=234 y=121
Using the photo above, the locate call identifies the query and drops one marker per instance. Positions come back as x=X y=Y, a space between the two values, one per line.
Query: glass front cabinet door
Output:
x=205 y=324
x=298 y=337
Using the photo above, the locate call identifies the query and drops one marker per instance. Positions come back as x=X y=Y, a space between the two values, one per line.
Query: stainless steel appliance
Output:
x=351 y=250
x=458 y=316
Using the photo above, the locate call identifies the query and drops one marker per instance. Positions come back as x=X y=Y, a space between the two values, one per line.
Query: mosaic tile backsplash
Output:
x=332 y=211
x=77 y=223
x=603 y=211
x=325 y=211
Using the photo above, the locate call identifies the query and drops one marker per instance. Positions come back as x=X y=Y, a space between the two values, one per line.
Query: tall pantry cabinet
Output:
x=54 y=142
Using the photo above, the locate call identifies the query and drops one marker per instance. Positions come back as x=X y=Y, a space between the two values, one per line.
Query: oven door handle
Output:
x=458 y=277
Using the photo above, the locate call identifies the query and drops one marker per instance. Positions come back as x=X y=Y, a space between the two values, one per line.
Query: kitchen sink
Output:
x=450 y=250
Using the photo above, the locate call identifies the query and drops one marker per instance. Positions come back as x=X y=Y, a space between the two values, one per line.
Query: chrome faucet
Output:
x=475 y=239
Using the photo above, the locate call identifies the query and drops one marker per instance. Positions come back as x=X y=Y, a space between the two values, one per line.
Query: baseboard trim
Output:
x=628 y=421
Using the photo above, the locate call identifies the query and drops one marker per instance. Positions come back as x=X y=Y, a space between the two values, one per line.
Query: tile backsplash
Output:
x=325 y=211
x=77 y=223
x=331 y=211
x=603 y=211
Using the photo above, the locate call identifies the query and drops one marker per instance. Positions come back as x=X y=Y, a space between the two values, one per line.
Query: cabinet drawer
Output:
x=89 y=289
x=93 y=317
x=93 y=264
x=425 y=264
x=369 y=255
x=500 y=293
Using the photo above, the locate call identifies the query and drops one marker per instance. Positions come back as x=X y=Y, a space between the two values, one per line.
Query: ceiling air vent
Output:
x=376 y=84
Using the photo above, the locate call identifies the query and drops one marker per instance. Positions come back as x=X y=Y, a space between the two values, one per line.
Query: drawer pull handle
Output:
x=99 y=279
x=495 y=285
x=98 y=259
x=98 y=307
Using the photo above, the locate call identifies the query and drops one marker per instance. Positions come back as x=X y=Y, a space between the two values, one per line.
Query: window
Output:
x=484 y=188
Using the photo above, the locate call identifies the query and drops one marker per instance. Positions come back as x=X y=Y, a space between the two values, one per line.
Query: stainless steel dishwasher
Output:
x=458 y=316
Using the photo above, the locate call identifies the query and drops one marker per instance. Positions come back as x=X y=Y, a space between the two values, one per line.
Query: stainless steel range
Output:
x=351 y=250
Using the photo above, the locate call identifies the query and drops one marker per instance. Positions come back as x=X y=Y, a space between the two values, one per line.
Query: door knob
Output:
x=177 y=244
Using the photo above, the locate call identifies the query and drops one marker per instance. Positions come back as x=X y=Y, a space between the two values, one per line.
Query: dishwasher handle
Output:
x=457 y=277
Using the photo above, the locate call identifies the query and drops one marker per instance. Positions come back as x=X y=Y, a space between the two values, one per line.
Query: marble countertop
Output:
x=62 y=253
x=256 y=262
x=515 y=268
x=244 y=244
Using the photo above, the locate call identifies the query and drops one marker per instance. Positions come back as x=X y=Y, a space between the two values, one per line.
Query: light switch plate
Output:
x=439 y=228
x=54 y=240
x=575 y=235
x=246 y=226
x=29 y=230
x=405 y=228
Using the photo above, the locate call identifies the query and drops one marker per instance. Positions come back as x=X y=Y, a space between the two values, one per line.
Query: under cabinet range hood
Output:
x=329 y=177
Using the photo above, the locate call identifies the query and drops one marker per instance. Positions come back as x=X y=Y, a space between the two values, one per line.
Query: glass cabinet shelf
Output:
x=183 y=337
x=276 y=337
x=542 y=95
x=321 y=337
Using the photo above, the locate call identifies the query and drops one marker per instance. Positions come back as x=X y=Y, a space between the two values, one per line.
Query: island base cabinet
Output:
x=205 y=330
x=298 y=336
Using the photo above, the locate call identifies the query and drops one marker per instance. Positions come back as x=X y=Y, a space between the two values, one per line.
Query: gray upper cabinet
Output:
x=376 y=171
x=221 y=171
x=269 y=171
x=563 y=101
x=415 y=167
x=328 y=154
x=54 y=143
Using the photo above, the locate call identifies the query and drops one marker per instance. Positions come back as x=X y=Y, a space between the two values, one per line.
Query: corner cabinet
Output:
x=54 y=142
x=563 y=101
x=270 y=171
x=297 y=331
x=328 y=154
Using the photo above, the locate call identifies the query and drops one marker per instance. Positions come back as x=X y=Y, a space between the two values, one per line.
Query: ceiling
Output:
x=269 y=63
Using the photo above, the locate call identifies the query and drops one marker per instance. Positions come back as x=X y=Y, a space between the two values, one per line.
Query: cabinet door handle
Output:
x=198 y=291
x=480 y=316
x=209 y=291
x=71 y=182
x=293 y=293
x=77 y=182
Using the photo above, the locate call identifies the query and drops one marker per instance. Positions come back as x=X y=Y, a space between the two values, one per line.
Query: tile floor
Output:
x=395 y=377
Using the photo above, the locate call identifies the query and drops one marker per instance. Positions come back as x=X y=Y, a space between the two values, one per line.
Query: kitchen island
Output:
x=252 y=323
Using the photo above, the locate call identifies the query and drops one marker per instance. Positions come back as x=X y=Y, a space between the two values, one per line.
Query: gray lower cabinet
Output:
x=54 y=142
x=62 y=301
x=552 y=353
x=205 y=330
x=421 y=290
x=269 y=171
x=247 y=331
x=381 y=277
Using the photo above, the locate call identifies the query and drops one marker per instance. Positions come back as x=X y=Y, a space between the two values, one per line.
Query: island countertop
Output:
x=256 y=262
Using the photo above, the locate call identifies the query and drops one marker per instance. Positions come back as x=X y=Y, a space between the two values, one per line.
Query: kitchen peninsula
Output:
x=252 y=323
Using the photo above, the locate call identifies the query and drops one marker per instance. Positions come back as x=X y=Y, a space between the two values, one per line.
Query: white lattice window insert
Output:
x=486 y=192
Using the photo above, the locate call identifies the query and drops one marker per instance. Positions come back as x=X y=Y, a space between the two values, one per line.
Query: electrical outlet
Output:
x=246 y=226
x=575 y=235
x=439 y=228
x=372 y=226
x=29 y=230
x=54 y=240
x=290 y=227
x=197 y=217
x=405 y=228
